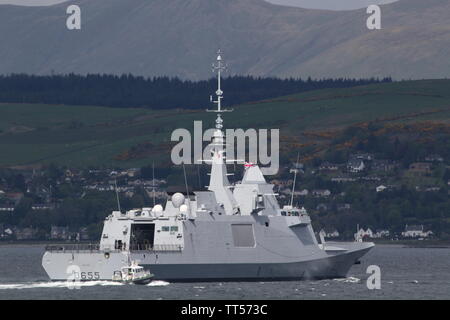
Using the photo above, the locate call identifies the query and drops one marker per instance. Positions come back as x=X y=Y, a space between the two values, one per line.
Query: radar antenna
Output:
x=219 y=67
x=295 y=178
x=117 y=195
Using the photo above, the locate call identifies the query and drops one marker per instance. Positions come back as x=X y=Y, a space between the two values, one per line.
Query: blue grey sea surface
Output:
x=406 y=273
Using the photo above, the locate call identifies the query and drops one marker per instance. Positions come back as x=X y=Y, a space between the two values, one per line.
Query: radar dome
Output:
x=157 y=209
x=177 y=199
x=183 y=208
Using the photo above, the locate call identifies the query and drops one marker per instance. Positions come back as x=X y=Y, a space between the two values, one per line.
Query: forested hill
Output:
x=129 y=91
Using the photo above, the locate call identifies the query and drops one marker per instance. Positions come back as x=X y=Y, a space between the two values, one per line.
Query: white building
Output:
x=355 y=166
x=329 y=233
x=321 y=193
x=381 y=233
x=361 y=234
x=416 y=231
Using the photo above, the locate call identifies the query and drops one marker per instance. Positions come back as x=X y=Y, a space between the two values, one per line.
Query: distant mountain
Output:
x=330 y=4
x=179 y=38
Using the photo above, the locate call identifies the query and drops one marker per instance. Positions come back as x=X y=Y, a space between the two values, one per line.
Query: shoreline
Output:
x=436 y=244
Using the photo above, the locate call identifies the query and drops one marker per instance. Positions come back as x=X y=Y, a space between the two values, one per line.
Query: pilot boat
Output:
x=133 y=274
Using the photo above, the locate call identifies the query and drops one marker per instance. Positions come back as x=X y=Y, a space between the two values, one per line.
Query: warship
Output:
x=227 y=232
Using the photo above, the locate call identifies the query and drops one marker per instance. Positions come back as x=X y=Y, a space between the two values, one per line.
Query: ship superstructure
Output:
x=230 y=232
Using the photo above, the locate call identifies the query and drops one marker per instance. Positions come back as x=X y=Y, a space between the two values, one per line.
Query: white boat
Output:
x=133 y=273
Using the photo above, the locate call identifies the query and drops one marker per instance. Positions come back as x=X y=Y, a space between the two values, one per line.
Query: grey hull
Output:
x=331 y=266
x=336 y=266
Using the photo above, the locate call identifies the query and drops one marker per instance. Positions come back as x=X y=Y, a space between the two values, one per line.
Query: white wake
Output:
x=57 y=284
x=348 y=280
x=158 y=283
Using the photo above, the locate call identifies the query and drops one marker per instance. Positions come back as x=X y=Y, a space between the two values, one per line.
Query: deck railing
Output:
x=156 y=247
x=77 y=247
x=95 y=247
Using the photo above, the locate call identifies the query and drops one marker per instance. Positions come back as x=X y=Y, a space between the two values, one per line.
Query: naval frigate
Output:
x=229 y=232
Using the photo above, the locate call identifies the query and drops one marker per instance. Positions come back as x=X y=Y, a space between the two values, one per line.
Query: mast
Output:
x=219 y=67
x=153 y=183
x=117 y=196
x=218 y=182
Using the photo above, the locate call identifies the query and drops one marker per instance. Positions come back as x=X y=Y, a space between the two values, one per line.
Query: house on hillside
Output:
x=329 y=233
x=6 y=233
x=321 y=193
x=355 y=165
x=416 y=231
x=380 y=188
x=361 y=234
x=343 y=179
x=327 y=166
x=434 y=158
x=381 y=233
x=59 y=233
x=133 y=172
x=42 y=206
x=371 y=178
x=104 y=187
x=6 y=208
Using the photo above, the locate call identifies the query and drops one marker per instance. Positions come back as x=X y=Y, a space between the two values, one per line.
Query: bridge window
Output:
x=174 y=228
x=165 y=229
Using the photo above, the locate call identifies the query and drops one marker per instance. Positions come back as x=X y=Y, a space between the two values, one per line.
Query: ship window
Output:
x=243 y=235
x=118 y=244
x=174 y=228
x=283 y=213
x=165 y=229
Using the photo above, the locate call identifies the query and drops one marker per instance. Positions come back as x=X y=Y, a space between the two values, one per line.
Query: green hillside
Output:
x=100 y=136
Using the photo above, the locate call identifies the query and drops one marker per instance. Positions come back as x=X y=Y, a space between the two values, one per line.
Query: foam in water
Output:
x=65 y=284
x=57 y=284
x=349 y=280
x=158 y=283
